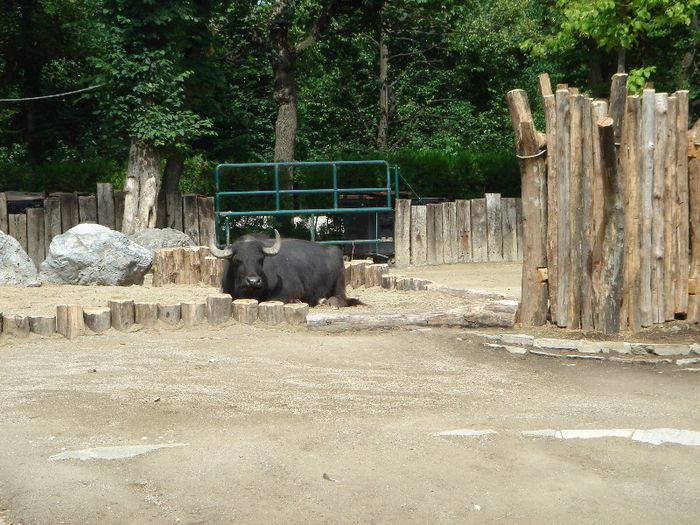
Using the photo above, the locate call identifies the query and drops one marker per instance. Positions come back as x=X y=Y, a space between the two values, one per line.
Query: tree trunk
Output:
x=383 y=127
x=141 y=187
x=31 y=75
x=621 y=57
x=172 y=173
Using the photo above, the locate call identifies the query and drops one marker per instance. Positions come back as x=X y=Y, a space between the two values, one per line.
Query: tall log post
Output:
x=402 y=233
x=657 y=224
x=608 y=250
x=418 y=236
x=683 y=239
x=618 y=98
x=533 y=309
x=587 y=196
x=694 y=210
x=670 y=206
x=433 y=234
x=464 y=231
x=631 y=169
x=550 y=117
x=573 y=315
x=563 y=154
x=648 y=144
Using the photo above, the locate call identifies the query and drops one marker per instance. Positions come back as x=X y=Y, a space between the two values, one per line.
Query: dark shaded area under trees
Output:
x=420 y=83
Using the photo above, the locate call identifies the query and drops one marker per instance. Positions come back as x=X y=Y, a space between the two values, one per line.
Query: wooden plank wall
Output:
x=622 y=207
x=464 y=231
x=36 y=227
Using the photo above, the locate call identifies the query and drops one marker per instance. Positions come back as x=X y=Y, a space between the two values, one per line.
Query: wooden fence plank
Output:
x=52 y=220
x=657 y=223
x=683 y=239
x=418 y=236
x=205 y=211
x=69 y=211
x=670 y=253
x=87 y=209
x=648 y=146
x=118 y=209
x=587 y=180
x=494 y=236
x=618 y=96
x=433 y=239
x=694 y=210
x=573 y=317
x=174 y=210
x=105 y=205
x=402 y=233
x=550 y=114
x=519 y=228
x=36 y=243
x=632 y=172
x=449 y=232
x=190 y=219
x=509 y=219
x=464 y=231
x=4 y=226
x=479 y=230
x=563 y=149
x=18 y=228
x=599 y=111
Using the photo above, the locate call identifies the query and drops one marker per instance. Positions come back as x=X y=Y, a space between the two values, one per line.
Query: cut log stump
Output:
x=98 y=320
x=219 y=308
x=245 y=310
x=271 y=312
x=169 y=313
x=193 y=313
x=69 y=320
x=43 y=325
x=146 y=314
x=295 y=313
x=16 y=325
x=122 y=313
x=388 y=282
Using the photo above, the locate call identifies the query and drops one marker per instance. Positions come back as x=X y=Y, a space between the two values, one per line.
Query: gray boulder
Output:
x=94 y=254
x=15 y=265
x=155 y=238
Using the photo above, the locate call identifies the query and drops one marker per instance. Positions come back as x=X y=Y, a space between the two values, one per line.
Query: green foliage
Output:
x=66 y=175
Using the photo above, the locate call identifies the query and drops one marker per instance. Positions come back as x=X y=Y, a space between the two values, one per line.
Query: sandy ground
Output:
x=502 y=278
x=264 y=413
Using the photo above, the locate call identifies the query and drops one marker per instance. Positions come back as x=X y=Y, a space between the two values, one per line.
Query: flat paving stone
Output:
x=109 y=453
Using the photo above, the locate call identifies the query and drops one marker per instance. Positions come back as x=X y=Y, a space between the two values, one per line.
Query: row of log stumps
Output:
x=121 y=314
x=363 y=272
x=187 y=265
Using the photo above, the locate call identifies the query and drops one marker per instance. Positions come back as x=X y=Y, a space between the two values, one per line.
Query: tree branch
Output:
x=319 y=27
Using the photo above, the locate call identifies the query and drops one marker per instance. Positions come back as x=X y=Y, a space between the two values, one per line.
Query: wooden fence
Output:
x=612 y=212
x=463 y=231
x=36 y=227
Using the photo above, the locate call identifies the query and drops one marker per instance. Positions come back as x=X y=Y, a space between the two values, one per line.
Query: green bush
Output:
x=66 y=175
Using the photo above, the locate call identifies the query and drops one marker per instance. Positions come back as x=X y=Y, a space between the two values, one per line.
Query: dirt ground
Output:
x=289 y=426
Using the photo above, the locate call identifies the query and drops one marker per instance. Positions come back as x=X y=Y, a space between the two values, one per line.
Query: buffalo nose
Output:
x=253 y=281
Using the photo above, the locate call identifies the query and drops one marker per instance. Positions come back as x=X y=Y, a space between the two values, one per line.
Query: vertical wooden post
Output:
x=519 y=228
x=52 y=220
x=69 y=211
x=648 y=144
x=573 y=316
x=599 y=111
x=533 y=306
x=618 y=97
x=118 y=209
x=402 y=233
x=161 y=212
x=494 y=235
x=563 y=154
x=449 y=232
x=205 y=211
x=683 y=239
x=36 y=243
x=190 y=221
x=587 y=181
x=433 y=234
x=3 y=213
x=608 y=251
x=694 y=211
x=87 y=208
x=670 y=222
x=550 y=116
x=657 y=222
x=464 y=231
x=632 y=174
x=509 y=228
x=69 y=320
x=418 y=236
x=18 y=229
x=174 y=210
x=478 y=223
x=105 y=205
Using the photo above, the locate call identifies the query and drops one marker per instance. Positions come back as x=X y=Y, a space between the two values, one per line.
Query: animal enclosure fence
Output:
x=463 y=231
x=34 y=228
x=611 y=208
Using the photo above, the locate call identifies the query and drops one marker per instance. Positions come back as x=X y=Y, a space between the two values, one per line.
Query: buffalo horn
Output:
x=275 y=248
x=222 y=254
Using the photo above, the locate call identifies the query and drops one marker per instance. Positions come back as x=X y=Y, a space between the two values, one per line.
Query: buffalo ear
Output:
x=275 y=248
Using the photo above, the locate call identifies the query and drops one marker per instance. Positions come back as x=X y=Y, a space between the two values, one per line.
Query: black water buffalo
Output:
x=286 y=270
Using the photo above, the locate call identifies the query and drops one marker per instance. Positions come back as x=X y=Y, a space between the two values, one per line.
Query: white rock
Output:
x=155 y=238
x=590 y=347
x=518 y=339
x=94 y=254
x=465 y=432
x=660 y=349
x=557 y=344
x=689 y=361
x=15 y=265
x=656 y=436
x=597 y=433
x=546 y=433
x=123 y=452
